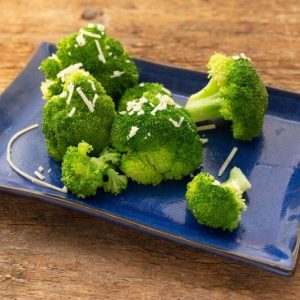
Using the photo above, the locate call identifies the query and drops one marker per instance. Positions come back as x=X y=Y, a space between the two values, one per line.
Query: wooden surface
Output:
x=51 y=253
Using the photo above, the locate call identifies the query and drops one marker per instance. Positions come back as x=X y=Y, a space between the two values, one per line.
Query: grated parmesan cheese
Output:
x=40 y=169
x=63 y=94
x=39 y=175
x=166 y=91
x=96 y=96
x=206 y=127
x=72 y=112
x=92 y=85
x=160 y=106
x=86 y=101
x=116 y=74
x=71 y=90
x=204 y=141
x=100 y=52
x=142 y=84
x=49 y=170
x=63 y=74
x=175 y=123
x=22 y=173
x=132 y=132
x=90 y=34
x=80 y=40
x=227 y=161
x=122 y=112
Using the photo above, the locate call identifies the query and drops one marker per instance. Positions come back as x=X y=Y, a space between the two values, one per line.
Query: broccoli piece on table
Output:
x=216 y=204
x=84 y=175
x=102 y=56
x=82 y=111
x=235 y=92
x=158 y=139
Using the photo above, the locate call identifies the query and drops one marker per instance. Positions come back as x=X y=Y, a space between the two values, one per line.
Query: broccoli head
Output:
x=82 y=111
x=100 y=55
x=84 y=175
x=158 y=139
x=216 y=204
x=235 y=92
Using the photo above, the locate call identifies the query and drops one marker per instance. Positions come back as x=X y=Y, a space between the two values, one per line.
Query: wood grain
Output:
x=51 y=253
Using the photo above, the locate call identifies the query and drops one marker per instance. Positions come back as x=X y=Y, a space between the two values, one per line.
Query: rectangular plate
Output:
x=268 y=236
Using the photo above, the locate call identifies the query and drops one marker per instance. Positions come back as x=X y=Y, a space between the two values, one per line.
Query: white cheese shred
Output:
x=100 y=52
x=39 y=175
x=86 y=101
x=71 y=90
x=72 y=112
x=96 y=96
x=227 y=161
x=22 y=173
x=92 y=85
x=204 y=141
x=132 y=132
x=206 y=127
x=116 y=74
x=90 y=34
x=63 y=74
x=49 y=170
x=40 y=169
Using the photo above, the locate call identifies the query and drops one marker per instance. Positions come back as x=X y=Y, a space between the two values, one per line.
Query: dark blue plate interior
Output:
x=268 y=235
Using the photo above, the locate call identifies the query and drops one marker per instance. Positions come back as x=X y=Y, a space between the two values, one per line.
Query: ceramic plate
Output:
x=268 y=235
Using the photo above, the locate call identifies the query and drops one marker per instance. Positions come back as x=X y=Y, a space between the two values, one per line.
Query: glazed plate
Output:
x=268 y=235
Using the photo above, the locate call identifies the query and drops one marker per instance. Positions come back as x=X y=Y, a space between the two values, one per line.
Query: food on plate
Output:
x=235 y=92
x=100 y=55
x=83 y=111
x=157 y=138
x=83 y=175
x=215 y=204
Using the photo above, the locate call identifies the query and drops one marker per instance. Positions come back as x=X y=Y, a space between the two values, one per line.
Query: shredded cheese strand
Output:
x=92 y=85
x=90 y=34
x=86 y=101
x=72 y=112
x=100 y=52
x=227 y=161
x=71 y=90
x=206 y=127
x=22 y=173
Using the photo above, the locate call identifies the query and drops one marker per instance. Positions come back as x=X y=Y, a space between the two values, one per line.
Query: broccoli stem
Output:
x=237 y=180
x=205 y=105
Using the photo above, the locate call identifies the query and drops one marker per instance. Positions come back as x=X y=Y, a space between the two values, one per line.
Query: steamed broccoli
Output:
x=100 y=55
x=216 y=204
x=82 y=111
x=235 y=92
x=83 y=175
x=158 y=139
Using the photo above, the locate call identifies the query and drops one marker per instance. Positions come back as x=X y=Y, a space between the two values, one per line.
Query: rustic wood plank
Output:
x=49 y=252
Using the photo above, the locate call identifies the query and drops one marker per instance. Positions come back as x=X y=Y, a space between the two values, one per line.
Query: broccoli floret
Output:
x=235 y=92
x=51 y=88
x=100 y=55
x=158 y=141
x=216 y=204
x=68 y=118
x=84 y=175
x=149 y=90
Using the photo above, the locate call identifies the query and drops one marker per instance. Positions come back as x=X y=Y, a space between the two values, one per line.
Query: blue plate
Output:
x=268 y=236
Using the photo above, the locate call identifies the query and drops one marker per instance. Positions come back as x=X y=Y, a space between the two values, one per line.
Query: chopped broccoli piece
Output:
x=216 y=204
x=84 y=175
x=116 y=183
x=235 y=92
x=102 y=56
x=158 y=139
x=91 y=122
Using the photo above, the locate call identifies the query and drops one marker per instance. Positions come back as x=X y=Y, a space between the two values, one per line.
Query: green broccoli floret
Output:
x=216 y=204
x=235 y=92
x=149 y=90
x=82 y=111
x=84 y=175
x=158 y=139
x=100 y=55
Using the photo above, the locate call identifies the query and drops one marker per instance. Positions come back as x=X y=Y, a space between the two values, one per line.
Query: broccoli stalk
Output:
x=235 y=92
x=209 y=106
x=115 y=183
x=215 y=204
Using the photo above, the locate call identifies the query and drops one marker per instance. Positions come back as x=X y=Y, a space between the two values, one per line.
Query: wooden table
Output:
x=52 y=253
